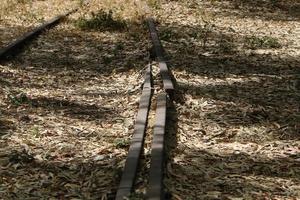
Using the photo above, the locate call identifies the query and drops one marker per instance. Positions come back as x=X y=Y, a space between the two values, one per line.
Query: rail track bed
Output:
x=85 y=114
x=126 y=187
x=67 y=112
x=18 y=17
x=15 y=46
x=155 y=189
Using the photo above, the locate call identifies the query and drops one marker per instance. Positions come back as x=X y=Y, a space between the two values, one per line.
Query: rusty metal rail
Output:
x=155 y=187
x=16 y=45
x=159 y=54
x=137 y=141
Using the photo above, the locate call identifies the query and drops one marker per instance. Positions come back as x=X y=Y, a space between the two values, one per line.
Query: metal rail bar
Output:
x=155 y=187
x=159 y=53
x=137 y=141
x=18 y=43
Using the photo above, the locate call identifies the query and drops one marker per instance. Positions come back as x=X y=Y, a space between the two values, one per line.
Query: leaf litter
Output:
x=18 y=17
x=237 y=129
x=67 y=110
x=68 y=105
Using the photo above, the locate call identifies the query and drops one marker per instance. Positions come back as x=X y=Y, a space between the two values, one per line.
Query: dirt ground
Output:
x=235 y=131
x=17 y=16
x=67 y=108
x=68 y=101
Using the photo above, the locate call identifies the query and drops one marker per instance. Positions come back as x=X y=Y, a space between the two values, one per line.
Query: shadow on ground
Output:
x=273 y=10
x=248 y=88
x=262 y=88
x=96 y=62
x=74 y=109
x=213 y=176
x=5 y=126
x=74 y=179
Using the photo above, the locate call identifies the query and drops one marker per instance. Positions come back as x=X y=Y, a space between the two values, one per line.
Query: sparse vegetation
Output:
x=121 y=143
x=103 y=21
x=226 y=44
x=156 y=4
x=19 y=98
x=205 y=31
x=168 y=35
x=265 y=42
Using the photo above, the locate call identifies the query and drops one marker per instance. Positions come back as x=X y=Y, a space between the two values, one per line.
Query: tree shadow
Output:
x=5 y=126
x=247 y=89
x=59 y=178
x=74 y=109
x=248 y=104
x=263 y=88
x=94 y=65
x=171 y=140
x=78 y=50
x=267 y=10
x=10 y=33
x=206 y=175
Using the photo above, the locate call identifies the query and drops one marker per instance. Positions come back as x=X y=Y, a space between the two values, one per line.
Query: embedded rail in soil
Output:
x=155 y=190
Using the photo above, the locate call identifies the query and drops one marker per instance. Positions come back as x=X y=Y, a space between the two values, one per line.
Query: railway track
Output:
x=215 y=131
x=155 y=189
x=14 y=47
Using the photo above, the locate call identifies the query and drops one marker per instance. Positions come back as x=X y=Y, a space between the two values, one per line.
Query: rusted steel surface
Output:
x=13 y=47
x=148 y=78
x=137 y=141
x=159 y=53
x=155 y=187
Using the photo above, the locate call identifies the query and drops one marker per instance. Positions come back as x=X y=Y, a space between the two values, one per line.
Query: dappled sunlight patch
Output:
x=71 y=134
x=237 y=129
x=234 y=170
x=68 y=102
x=18 y=17
x=202 y=81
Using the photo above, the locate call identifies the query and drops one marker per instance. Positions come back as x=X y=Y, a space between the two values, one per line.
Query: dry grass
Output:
x=133 y=11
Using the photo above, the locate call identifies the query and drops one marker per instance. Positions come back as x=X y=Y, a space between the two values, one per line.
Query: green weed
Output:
x=35 y=131
x=168 y=35
x=80 y=3
x=121 y=143
x=204 y=32
x=107 y=59
x=117 y=48
x=18 y=99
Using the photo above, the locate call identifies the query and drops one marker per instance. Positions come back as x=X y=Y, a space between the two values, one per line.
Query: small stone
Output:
x=99 y=157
